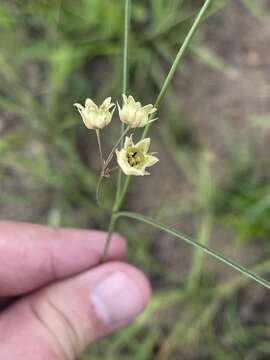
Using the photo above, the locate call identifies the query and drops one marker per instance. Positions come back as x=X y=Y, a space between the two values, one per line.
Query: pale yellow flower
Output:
x=133 y=159
x=96 y=117
x=134 y=114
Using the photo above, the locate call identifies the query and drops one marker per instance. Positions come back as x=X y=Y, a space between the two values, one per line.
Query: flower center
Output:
x=135 y=157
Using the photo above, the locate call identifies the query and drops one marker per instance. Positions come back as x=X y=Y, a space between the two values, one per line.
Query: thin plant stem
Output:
x=120 y=195
x=109 y=237
x=126 y=45
x=107 y=162
x=169 y=78
x=124 y=90
x=125 y=79
x=98 y=190
x=105 y=165
x=179 y=57
x=192 y=242
x=101 y=165
x=100 y=148
x=119 y=203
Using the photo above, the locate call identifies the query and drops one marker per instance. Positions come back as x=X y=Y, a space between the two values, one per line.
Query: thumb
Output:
x=59 y=321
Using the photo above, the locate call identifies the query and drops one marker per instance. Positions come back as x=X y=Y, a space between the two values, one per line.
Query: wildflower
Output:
x=95 y=117
x=134 y=114
x=133 y=159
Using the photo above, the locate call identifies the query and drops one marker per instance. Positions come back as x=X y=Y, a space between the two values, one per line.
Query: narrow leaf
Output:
x=190 y=241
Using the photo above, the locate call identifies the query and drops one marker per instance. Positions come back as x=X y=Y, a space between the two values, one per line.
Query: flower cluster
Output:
x=133 y=159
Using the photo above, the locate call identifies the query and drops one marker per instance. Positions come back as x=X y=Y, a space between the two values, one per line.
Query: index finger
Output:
x=32 y=256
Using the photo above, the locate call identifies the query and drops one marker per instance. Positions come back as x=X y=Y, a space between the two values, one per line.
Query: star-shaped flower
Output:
x=134 y=114
x=133 y=159
x=96 y=117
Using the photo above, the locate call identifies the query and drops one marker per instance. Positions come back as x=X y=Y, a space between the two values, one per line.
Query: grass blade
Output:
x=192 y=242
x=179 y=57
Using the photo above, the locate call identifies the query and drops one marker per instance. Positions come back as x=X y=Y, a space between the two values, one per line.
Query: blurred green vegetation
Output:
x=54 y=53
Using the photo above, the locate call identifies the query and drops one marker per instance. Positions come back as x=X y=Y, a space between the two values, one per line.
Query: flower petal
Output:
x=131 y=100
x=149 y=122
x=128 y=141
x=144 y=145
x=106 y=103
x=79 y=106
x=89 y=104
x=153 y=110
x=150 y=160
x=148 y=109
x=125 y=100
x=124 y=164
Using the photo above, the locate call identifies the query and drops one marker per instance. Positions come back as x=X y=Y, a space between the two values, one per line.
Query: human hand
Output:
x=59 y=297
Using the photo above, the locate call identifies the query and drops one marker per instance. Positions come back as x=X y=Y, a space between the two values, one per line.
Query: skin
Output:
x=47 y=280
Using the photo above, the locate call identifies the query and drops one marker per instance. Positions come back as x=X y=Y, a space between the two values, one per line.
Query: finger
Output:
x=59 y=321
x=31 y=256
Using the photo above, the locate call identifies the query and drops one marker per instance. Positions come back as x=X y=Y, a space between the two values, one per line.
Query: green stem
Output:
x=126 y=45
x=124 y=90
x=125 y=80
x=178 y=58
x=101 y=166
x=171 y=73
x=122 y=191
x=109 y=237
x=118 y=204
x=98 y=190
x=107 y=162
x=99 y=148
x=192 y=242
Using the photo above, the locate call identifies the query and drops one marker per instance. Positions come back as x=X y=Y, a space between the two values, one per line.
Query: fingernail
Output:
x=117 y=299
